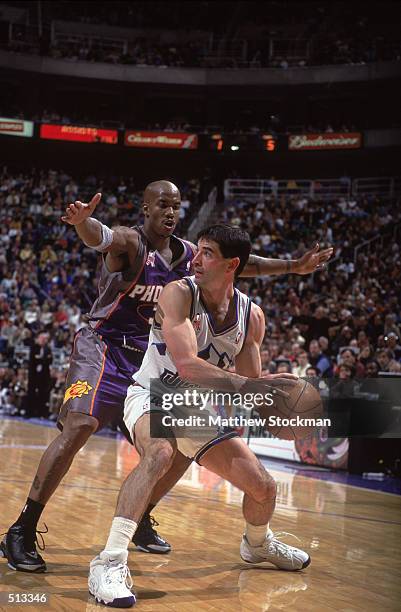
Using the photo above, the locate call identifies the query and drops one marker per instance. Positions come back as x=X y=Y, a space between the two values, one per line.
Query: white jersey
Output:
x=217 y=347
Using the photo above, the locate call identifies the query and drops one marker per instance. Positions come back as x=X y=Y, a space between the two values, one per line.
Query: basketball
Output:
x=303 y=401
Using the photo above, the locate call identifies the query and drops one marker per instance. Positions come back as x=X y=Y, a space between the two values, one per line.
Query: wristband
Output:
x=107 y=239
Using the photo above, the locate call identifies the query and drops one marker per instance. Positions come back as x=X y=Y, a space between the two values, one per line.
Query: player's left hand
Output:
x=281 y=375
x=313 y=260
x=78 y=211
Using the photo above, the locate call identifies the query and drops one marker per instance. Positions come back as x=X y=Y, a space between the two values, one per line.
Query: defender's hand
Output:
x=79 y=211
x=313 y=260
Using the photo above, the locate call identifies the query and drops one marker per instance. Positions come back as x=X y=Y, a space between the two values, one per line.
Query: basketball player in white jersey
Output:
x=202 y=327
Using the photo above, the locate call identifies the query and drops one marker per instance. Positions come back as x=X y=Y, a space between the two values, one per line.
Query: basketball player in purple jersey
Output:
x=138 y=262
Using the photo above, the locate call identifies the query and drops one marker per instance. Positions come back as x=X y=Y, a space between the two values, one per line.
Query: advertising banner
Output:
x=322 y=142
x=161 y=140
x=16 y=127
x=78 y=133
x=317 y=449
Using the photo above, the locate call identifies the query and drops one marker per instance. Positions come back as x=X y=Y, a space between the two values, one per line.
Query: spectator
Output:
x=372 y=369
x=302 y=364
x=345 y=372
x=319 y=360
x=384 y=358
x=39 y=383
x=392 y=343
x=312 y=372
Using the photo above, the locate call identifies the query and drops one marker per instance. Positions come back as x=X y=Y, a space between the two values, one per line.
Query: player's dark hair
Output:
x=232 y=241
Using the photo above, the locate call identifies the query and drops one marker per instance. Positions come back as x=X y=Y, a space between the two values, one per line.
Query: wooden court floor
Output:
x=353 y=536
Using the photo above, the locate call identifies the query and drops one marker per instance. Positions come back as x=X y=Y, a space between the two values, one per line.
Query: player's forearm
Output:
x=90 y=232
x=99 y=236
x=199 y=371
x=262 y=266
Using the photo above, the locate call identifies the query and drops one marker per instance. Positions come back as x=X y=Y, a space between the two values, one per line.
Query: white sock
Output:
x=256 y=534
x=121 y=533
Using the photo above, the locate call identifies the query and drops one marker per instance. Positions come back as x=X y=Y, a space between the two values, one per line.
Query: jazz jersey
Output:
x=217 y=347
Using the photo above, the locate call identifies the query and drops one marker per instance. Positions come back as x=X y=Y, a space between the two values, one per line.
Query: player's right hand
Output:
x=271 y=383
x=78 y=211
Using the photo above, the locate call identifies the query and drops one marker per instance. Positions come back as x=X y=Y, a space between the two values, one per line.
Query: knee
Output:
x=77 y=429
x=264 y=488
x=159 y=457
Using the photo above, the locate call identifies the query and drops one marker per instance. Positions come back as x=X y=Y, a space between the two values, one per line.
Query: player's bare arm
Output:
x=313 y=260
x=173 y=314
x=117 y=242
x=247 y=362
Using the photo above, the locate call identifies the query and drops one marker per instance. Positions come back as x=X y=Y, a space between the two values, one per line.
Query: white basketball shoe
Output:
x=274 y=551
x=110 y=580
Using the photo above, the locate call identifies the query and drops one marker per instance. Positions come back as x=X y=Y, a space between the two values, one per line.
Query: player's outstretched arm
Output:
x=313 y=260
x=95 y=234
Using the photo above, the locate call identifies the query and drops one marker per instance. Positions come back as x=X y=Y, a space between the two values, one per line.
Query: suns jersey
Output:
x=217 y=347
x=122 y=314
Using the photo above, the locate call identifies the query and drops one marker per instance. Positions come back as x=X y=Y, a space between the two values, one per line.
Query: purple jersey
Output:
x=123 y=312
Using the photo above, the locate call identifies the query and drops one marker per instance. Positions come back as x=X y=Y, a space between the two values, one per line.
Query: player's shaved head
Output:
x=161 y=207
x=157 y=188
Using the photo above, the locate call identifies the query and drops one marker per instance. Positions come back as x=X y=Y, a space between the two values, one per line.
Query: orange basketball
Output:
x=288 y=417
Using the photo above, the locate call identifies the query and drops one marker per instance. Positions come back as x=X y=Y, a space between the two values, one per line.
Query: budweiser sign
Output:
x=305 y=142
x=161 y=140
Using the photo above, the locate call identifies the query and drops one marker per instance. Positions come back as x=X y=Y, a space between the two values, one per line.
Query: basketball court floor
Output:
x=353 y=535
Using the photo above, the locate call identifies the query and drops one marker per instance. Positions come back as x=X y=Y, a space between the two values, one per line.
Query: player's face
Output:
x=164 y=212
x=209 y=264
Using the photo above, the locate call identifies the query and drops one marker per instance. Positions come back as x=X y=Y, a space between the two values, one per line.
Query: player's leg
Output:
x=234 y=461
x=109 y=579
x=59 y=455
x=80 y=416
x=146 y=537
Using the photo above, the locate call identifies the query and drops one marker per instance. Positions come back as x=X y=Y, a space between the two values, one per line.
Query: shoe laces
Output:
x=30 y=542
x=118 y=572
x=281 y=547
x=41 y=545
x=148 y=524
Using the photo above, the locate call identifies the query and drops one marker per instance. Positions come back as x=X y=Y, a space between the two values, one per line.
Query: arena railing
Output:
x=320 y=189
x=391 y=235
x=383 y=186
x=204 y=214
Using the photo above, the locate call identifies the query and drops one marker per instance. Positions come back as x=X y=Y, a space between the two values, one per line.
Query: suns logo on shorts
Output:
x=77 y=389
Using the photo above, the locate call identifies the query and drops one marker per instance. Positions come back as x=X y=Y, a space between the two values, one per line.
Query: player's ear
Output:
x=234 y=263
x=145 y=208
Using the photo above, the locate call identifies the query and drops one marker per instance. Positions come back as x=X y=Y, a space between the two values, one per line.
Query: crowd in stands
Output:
x=228 y=35
x=48 y=278
x=141 y=53
x=197 y=54
x=342 y=322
